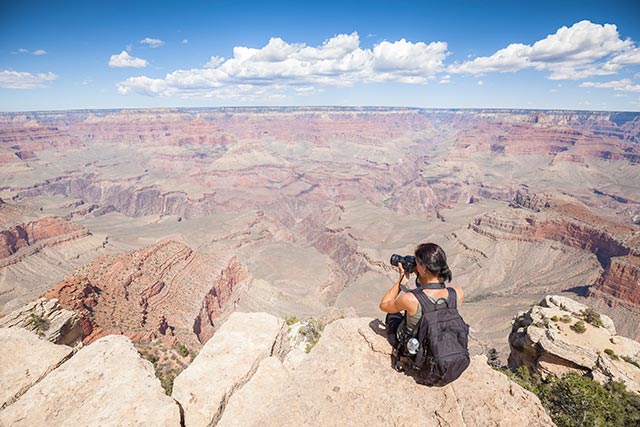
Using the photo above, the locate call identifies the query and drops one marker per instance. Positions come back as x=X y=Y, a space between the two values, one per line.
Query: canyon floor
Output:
x=163 y=222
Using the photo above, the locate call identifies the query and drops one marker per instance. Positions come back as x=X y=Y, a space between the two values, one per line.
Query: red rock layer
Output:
x=37 y=234
x=214 y=301
x=153 y=292
x=621 y=279
x=574 y=225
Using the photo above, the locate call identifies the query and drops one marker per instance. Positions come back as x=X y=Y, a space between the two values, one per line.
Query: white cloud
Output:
x=184 y=41
x=154 y=43
x=624 y=85
x=480 y=83
x=214 y=61
x=40 y=52
x=126 y=60
x=583 y=50
x=23 y=80
x=281 y=67
x=23 y=50
x=446 y=79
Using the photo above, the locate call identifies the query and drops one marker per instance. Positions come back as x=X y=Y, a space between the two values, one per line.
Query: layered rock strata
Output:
x=47 y=319
x=621 y=280
x=561 y=335
x=106 y=383
x=164 y=290
x=20 y=240
x=616 y=245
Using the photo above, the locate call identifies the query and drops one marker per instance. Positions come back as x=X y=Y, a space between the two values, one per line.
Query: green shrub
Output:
x=565 y=318
x=592 y=317
x=166 y=381
x=38 y=323
x=555 y=318
x=291 y=320
x=151 y=357
x=579 y=327
x=612 y=354
x=182 y=349
x=311 y=331
x=573 y=400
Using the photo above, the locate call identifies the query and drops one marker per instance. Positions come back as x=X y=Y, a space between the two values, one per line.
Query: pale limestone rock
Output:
x=105 y=384
x=224 y=364
x=571 y=306
x=347 y=379
x=24 y=360
x=252 y=403
x=57 y=325
x=551 y=346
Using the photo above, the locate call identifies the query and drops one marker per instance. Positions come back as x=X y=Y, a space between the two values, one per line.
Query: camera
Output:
x=408 y=262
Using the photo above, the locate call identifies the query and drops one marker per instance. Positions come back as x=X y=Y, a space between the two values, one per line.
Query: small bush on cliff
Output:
x=592 y=317
x=565 y=318
x=38 y=323
x=166 y=381
x=182 y=349
x=311 y=331
x=612 y=354
x=573 y=400
x=579 y=327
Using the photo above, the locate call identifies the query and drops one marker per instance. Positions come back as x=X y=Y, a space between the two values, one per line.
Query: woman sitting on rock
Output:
x=440 y=352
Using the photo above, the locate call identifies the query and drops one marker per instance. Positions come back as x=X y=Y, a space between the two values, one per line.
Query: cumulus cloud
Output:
x=154 y=43
x=583 y=50
x=23 y=80
x=125 y=60
x=23 y=50
x=281 y=67
x=446 y=79
x=624 y=85
x=184 y=41
x=40 y=52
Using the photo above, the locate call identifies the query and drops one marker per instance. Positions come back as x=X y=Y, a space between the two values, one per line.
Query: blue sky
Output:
x=458 y=54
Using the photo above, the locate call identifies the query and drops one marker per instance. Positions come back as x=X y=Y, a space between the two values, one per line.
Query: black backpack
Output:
x=442 y=335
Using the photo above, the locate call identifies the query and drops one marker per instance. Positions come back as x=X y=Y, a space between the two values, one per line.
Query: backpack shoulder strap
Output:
x=452 y=298
x=426 y=304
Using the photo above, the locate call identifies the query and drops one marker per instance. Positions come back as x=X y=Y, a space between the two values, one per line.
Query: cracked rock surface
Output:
x=347 y=379
x=104 y=384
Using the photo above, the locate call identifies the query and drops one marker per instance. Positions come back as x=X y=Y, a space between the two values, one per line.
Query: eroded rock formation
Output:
x=129 y=293
x=35 y=235
x=561 y=335
x=47 y=319
x=621 y=280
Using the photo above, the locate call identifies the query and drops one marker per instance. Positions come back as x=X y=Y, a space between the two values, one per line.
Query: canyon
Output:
x=158 y=224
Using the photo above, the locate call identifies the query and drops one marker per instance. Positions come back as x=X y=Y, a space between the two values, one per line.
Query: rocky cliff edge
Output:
x=246 y=375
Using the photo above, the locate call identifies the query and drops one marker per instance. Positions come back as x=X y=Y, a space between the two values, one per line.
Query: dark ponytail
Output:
x=434 y=259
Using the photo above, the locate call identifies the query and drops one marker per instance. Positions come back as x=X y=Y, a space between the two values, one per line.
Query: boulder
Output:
x=347 y=379
x=547 y=339
x=105 y=384
x=48 y=319
x=24 y=360
x=225 y=364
